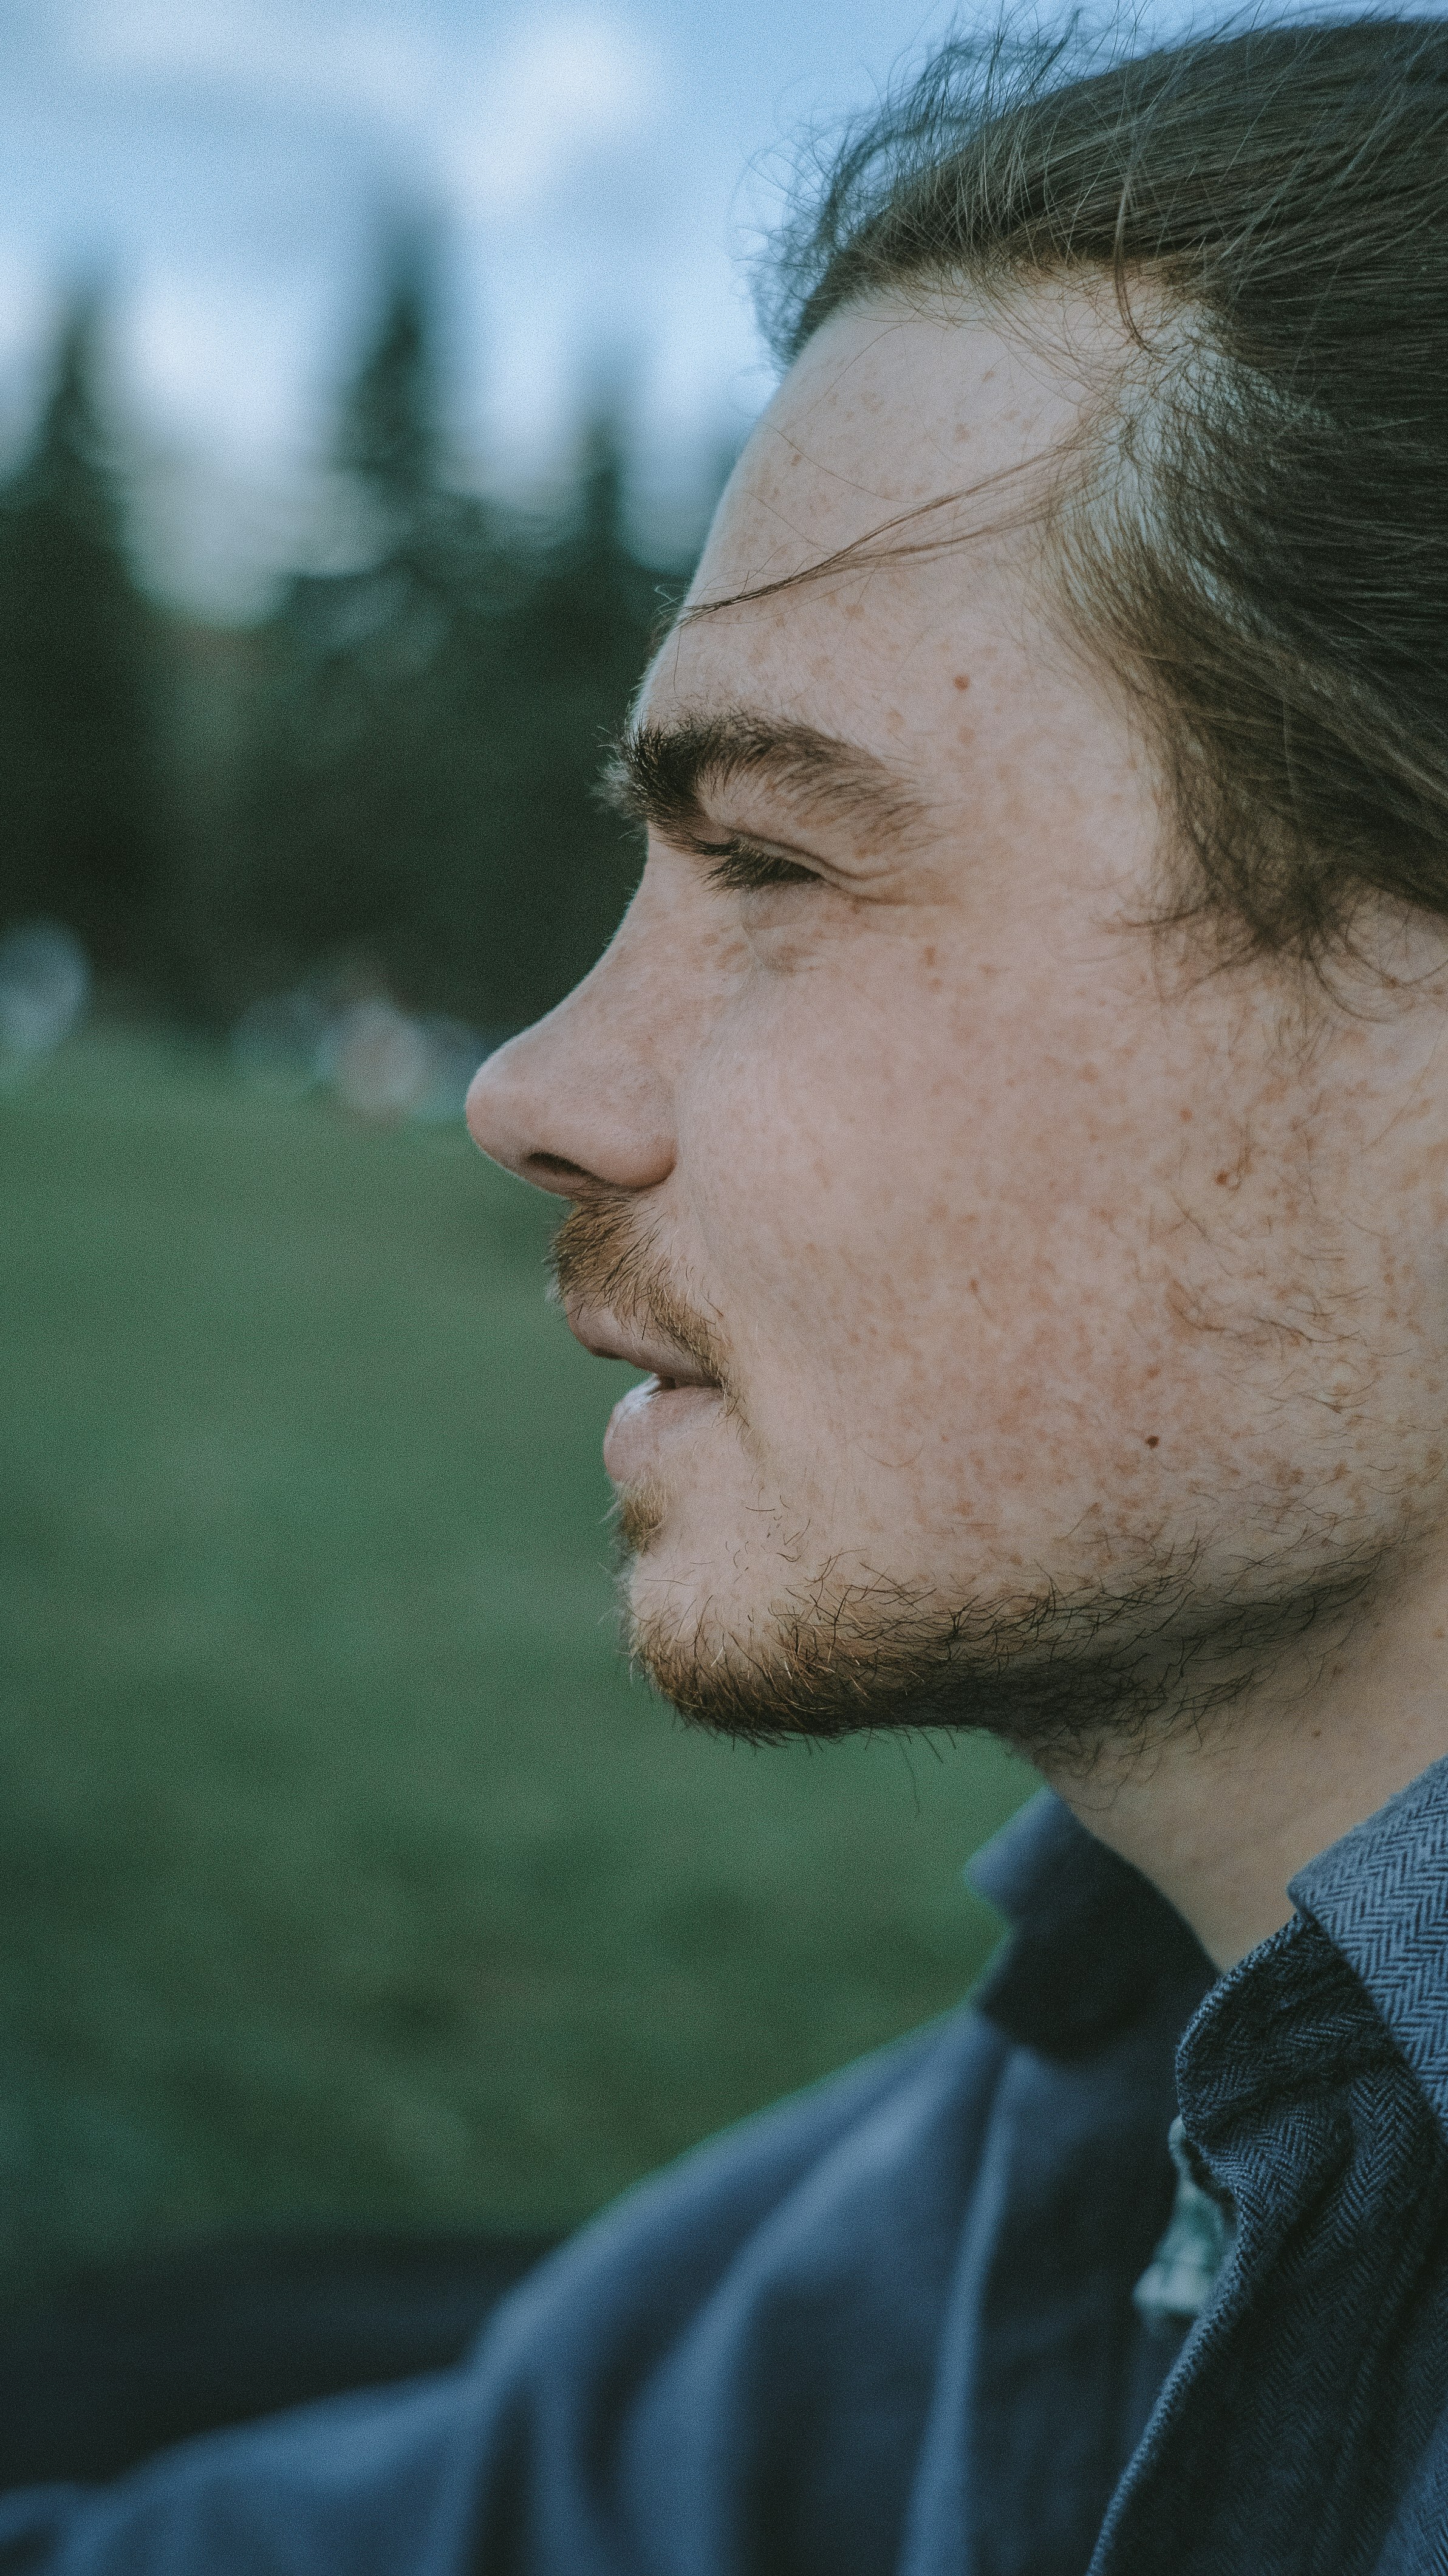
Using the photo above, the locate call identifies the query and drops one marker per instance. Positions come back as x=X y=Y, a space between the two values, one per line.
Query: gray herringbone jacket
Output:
x=888 y=2329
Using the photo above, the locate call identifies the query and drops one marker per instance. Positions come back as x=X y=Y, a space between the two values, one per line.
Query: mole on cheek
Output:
x=962 y=679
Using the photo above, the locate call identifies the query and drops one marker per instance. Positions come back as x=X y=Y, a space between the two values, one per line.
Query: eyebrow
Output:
x=662 y=774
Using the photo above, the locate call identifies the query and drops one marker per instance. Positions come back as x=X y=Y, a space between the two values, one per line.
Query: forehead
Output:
x=926 y=429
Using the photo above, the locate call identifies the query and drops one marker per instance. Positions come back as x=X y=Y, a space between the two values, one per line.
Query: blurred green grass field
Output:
x=345 y=1873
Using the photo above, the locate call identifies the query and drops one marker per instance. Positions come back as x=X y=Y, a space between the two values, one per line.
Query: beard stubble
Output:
x=1062 y=1671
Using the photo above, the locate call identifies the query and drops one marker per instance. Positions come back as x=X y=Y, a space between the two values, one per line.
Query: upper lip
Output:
x=609 y=1339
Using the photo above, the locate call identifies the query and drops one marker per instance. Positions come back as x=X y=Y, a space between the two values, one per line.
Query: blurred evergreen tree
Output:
x=579 y=641
x=391 y=435
x=354 y=779
x=82 y=800
x=435 y=716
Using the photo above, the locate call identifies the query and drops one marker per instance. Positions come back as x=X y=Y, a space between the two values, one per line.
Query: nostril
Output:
x=552 y=1171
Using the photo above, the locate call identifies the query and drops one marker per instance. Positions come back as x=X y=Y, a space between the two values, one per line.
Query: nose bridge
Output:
x=587 y=1091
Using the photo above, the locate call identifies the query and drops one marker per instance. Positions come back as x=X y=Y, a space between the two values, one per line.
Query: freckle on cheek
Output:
x=962 y=679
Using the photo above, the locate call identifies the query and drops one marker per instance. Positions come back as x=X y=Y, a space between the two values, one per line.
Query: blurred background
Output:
x=367 y=374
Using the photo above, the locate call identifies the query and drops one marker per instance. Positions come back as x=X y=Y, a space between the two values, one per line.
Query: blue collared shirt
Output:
x=887 y=2329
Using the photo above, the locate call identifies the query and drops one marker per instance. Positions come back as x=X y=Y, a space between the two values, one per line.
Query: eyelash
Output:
x=740 y=868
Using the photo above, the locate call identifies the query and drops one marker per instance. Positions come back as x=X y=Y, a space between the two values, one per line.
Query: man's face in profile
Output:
x=1025 y=1300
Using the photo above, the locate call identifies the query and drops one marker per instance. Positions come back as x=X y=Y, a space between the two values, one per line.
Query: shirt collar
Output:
x=1381 y=1897
x=1094 y=1945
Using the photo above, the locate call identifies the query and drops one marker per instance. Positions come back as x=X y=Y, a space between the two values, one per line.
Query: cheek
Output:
x=1020 y=1270
x=888 y=1197
x=975 y=1255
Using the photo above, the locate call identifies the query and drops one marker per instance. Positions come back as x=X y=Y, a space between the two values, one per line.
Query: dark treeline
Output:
x=387 y=781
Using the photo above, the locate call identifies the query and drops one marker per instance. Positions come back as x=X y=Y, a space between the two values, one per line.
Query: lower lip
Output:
x=647 y=1415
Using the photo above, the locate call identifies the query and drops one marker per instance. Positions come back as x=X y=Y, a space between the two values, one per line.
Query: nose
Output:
x=578 y=1101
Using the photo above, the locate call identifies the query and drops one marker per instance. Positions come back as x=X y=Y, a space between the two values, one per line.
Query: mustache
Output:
x=601 y=1257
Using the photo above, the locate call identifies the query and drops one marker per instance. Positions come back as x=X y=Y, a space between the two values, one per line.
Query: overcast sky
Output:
x=225 y=163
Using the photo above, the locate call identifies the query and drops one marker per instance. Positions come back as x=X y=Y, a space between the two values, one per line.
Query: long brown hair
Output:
x=1263 y=546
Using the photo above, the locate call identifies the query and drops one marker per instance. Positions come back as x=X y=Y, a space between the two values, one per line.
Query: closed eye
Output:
x=741 y=867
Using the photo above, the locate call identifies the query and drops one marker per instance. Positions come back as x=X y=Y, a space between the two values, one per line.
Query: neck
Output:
x=1221 y=1819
